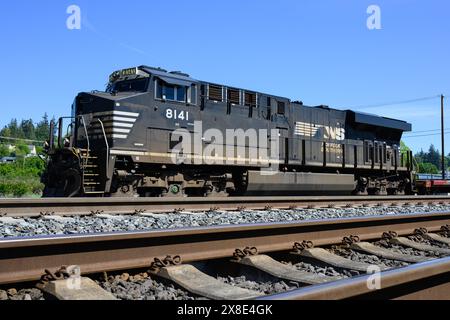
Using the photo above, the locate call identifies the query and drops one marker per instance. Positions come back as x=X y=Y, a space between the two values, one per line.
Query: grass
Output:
x=21 y=179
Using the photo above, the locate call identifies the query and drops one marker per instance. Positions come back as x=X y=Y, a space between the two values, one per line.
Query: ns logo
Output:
x=319 y=131
x=334 y=133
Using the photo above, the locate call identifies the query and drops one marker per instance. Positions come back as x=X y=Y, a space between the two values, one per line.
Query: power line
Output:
x=396 y=102
x=18 y=139
x=427 y=135
x=422 y=131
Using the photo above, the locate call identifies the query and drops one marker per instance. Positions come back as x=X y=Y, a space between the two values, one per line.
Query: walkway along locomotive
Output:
x=121 y=143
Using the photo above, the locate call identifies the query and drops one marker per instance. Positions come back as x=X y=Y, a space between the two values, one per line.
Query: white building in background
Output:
x=33 y=151
x=32 y=148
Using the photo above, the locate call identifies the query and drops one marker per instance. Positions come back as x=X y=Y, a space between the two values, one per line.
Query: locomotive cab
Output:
x=79 y=155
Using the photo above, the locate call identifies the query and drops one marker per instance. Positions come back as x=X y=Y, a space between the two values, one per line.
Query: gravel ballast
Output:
x=369 y=259
x=30 y=227
x=142 y=287
x=407 y=250
x=145 y=287
x=321 y=270
x=264 y=287
x=22 y=294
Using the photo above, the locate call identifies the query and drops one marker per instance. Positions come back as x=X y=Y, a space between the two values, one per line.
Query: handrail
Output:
x=85 y=161
x=107 y=146
x=87 y=137
x=84 y=126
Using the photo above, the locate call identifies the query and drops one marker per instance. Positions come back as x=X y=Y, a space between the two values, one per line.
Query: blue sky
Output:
x=320 y=52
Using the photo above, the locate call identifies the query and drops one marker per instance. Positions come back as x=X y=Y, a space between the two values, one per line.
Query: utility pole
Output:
x=443 y=137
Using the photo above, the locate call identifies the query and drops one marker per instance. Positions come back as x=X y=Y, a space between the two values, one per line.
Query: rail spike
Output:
x=420 y=231
x=239 y=254
x=64 y=272
x=46 y=213
x=446 y=229
x=348 y=241
x=389 y=235
x=299 y=247
x=168 y=261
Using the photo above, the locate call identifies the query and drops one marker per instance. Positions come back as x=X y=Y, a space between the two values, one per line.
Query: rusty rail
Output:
x=87 y=206
x=427 y=280
x=26 y=259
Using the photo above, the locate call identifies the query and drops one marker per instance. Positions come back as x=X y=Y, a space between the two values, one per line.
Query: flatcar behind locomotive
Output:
x=121 y=143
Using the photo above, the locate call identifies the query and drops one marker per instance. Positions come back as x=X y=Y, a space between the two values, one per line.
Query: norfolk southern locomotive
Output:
x=119 y=143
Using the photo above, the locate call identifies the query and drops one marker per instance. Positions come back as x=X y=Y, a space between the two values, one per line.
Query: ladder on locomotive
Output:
x=92 y=183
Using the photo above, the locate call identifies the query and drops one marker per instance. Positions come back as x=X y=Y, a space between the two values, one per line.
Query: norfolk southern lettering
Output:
x=154 y=133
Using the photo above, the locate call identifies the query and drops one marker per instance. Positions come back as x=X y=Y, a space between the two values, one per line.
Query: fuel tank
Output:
x=299 y=183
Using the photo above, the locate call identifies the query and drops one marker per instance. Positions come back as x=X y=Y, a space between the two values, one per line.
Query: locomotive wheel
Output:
x=125 y=191
x=71 y=183
x=66 y=185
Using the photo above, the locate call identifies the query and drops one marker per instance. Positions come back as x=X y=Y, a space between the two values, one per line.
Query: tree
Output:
x=404 y=147
x=16 y=131
x=21 y=150
x=5 y=132
x=426 y=167
x=43 y=129
x=420 y=156
x=4 y=151
x=27 y=127
x=434 y=156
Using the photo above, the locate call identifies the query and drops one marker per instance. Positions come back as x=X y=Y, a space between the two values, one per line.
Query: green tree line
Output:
x=22 y=177
x=431 y=161
x=26 y=130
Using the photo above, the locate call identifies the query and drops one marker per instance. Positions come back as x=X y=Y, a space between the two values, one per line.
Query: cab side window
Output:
x=184 y=94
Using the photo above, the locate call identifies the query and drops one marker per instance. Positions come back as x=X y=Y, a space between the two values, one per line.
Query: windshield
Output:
x=136 y=85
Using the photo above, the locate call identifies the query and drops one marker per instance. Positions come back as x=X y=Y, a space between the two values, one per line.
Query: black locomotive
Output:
x=132 y=140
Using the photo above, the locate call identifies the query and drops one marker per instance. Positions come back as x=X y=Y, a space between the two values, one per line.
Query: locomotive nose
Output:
x=92 y=102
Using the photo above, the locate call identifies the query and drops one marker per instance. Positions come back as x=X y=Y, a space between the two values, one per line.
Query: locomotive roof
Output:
x=378 y=121
x=165 y=74
x=161 y=73
x=179 y=78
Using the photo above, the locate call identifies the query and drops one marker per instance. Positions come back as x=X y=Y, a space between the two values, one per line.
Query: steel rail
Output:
x=87 y=206
x=25 y=259
x=427 y=280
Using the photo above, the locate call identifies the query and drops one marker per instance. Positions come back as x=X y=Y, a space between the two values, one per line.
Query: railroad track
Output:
x=173 y=254
x=89 y=206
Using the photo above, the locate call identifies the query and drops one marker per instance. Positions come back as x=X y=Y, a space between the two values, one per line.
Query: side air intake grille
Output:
x=233 y=96
x=215 y=93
